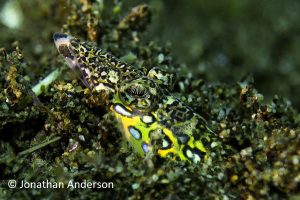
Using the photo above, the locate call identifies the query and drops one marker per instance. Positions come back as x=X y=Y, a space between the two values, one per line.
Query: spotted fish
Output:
x=141 y=101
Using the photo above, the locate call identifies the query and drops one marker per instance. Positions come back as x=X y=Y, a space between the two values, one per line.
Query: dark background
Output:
x=230 y=39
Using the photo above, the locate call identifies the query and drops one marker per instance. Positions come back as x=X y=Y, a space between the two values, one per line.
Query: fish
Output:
x=150 y=117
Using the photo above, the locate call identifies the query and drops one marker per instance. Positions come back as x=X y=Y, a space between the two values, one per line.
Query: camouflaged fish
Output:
x=141 y=102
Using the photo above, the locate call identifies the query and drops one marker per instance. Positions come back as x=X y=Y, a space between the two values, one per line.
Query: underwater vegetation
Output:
x=216 y=136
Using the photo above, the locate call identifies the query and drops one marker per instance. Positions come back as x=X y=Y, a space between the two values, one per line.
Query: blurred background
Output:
x=220 y=41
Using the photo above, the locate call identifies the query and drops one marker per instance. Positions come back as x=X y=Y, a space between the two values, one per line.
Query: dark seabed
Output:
x=237 y=65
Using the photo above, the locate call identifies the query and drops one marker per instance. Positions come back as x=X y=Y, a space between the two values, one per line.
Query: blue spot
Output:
x=145 y=147
x=134 y=132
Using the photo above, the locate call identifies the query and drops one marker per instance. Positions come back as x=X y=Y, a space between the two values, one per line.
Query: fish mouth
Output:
x=63 y=44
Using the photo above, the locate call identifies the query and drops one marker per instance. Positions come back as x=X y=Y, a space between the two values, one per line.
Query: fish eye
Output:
x=137 y=91
x=139 y=94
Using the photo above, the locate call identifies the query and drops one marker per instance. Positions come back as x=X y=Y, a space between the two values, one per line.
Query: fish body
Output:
x=141 y=101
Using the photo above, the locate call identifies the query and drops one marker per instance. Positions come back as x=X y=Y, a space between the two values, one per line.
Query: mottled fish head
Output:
x=131 y=87
x=64 y=47
x=99 y=70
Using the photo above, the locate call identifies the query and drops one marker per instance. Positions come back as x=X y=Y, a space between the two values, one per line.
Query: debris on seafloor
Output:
x=62 y=132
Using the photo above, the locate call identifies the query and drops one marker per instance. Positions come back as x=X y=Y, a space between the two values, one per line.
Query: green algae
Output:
x=67 y=133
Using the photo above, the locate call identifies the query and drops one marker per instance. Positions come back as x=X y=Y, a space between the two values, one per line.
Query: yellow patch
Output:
x=135 y=121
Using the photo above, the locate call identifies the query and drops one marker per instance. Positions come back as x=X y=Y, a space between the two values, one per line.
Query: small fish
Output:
x=141 y=101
